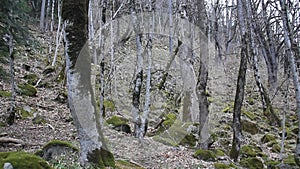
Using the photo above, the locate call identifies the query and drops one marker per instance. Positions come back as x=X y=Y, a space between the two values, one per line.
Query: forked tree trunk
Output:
x=81 y=96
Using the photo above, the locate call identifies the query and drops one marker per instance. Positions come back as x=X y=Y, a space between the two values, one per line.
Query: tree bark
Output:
x=239 y=97
x=288 y=43
x=139 y=76
x=81 y=96
x=42 y=17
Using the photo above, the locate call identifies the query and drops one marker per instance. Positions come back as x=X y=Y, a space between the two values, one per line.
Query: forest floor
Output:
x=58 y=124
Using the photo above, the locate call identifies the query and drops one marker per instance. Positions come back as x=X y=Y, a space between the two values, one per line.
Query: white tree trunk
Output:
x=42 y=17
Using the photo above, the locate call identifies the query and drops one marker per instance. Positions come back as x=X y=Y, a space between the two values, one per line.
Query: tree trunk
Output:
x=288 y=43
x=11 y=117
x=239 y=97
x=139 y=76
x=81 y=96
x=42 y=17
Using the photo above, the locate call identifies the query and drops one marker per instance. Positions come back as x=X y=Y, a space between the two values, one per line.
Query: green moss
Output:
x=250 y=151
x=101 y=158
x=116 y=121
x=210 y=99
x=271 y=143
x=62 y=144
x=248 y=114
x=251 y=163
x=251 y=101
x=5 y=93
x=31 y=78
x=119 y=124
x=272 y=164
x=219 y=152
x=206 y=155
x=39 y=120
x=56 y=148
x=170 y=119
x=27 y=90
x=109 y=105
x=227 y=109
x=275 y=148
x=124 y=164
x=267 y=138
x=290 y=160
x=24 y=113
x=295 y=130
x=224 y=166
x=249 y=127
x=20 y=160
x=189 y=140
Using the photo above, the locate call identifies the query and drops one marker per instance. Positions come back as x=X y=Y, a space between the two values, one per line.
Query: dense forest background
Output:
x=149 y=84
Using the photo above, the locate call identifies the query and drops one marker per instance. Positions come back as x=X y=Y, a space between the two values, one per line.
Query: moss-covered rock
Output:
x=250 y=127
x=267 y=138
x=206 y=155
x=22 y=160
x=219 y=152
x=124 y=164
x=27 y=90
x=251 y=163
x=250 y=151
x=189 y=140
x=119 y=124
x=290 y=160
x=25 y=112
x=224 y=166
x=56 y=148
x=31 y=78
x=272 y=164
x=5 y=93
x=101 y=158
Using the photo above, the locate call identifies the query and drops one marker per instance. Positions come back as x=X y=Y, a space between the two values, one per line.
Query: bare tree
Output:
x=81 y=96
x=239 y=97
x=288 y=40
x=139 y=75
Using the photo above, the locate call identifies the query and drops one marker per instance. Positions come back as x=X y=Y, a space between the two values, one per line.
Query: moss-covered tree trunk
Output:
x=81 y=97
